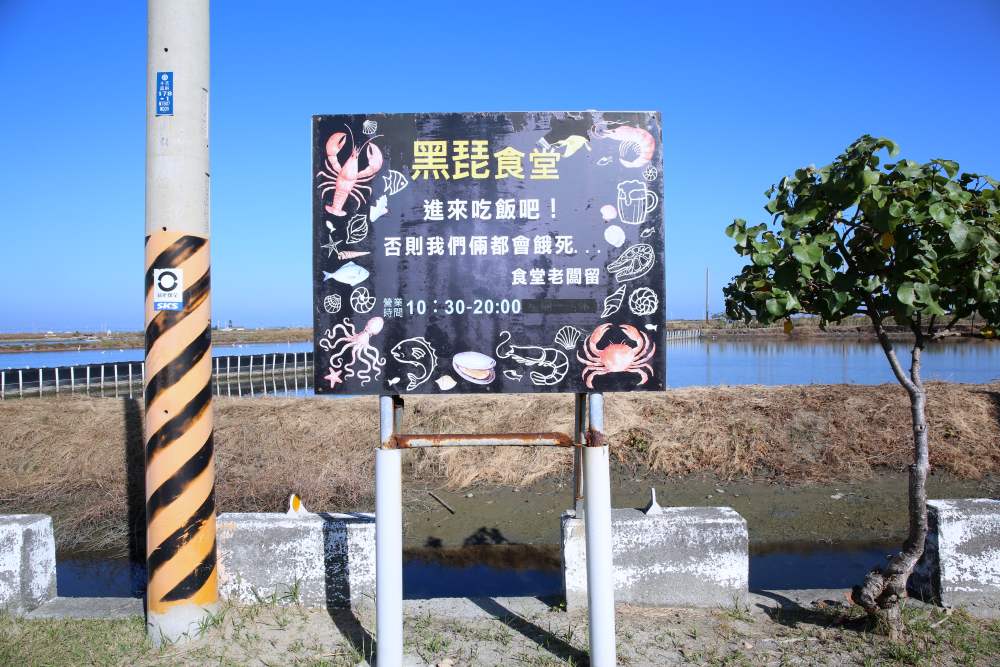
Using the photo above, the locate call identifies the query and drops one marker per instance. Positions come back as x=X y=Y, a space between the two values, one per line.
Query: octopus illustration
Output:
x=617 y=357
x=342 y=339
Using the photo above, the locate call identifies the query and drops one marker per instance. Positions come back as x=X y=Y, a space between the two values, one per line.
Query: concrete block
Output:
x=27 y=562
x=675 y=557
x=960 y=566
x=329 y=559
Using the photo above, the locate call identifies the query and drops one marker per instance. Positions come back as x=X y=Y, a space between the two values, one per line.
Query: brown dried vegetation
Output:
x=67 y=457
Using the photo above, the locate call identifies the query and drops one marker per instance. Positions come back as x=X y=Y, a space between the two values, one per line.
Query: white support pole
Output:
x=3 y=385
x=388 y=544
x=597 y=523
x=88 y=379
x=239 y=380
x=72 y=380
x=20 y=384
x=130 y=380
x=39 y=381
x=57 y=380
x=116 y=379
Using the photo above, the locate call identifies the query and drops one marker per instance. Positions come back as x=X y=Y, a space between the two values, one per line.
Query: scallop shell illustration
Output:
x=445 y=382
x=394 y=182
x=369 y=127
x=609 y=212
x=331 y=303
x=350 y=274
x=568 y=337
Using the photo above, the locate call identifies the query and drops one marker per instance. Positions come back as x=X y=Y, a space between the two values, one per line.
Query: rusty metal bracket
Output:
x=410 y=441
x=595 y=438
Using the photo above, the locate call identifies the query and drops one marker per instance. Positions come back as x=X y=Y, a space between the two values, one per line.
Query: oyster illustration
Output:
x=568 y=337
x=349 y=274
x=614 y=235
x=474 y=367
x=446 y=382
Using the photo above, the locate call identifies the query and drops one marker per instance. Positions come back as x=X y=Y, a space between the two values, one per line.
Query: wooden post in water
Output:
x=182 y=590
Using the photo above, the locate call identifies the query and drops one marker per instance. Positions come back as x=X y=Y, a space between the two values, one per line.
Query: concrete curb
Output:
x=669 y=557
x=960 y=566
x=317 y=559
x=27 y=562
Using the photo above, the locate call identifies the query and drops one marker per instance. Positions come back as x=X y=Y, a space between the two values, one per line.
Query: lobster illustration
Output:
x=345 y=179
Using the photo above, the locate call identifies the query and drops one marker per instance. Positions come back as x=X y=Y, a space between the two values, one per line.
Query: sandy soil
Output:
x=813 y=628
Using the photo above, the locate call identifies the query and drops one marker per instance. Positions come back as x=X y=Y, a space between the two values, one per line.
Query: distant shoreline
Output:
x=77 y=340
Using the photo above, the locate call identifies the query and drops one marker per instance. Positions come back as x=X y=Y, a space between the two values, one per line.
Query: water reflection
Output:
x=827 y=361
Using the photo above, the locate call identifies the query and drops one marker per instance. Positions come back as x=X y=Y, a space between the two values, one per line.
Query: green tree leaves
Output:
x=917 y=242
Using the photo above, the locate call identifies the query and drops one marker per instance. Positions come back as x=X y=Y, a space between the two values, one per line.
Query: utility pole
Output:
x=706 y=295
x=180 y=477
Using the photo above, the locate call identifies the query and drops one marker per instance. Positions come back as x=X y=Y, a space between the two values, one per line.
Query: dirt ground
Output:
x=766 y=630
x=817 y=462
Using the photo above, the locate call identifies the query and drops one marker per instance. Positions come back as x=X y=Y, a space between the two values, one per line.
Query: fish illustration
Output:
x=419 y=353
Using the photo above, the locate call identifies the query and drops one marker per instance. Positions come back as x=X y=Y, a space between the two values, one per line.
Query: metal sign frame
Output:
x=590 y=461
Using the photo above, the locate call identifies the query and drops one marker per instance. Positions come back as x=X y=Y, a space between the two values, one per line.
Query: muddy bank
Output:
x=777 y=514
x=774 y=451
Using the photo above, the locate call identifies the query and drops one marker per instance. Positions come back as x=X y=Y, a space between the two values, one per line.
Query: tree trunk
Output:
x=884 y=588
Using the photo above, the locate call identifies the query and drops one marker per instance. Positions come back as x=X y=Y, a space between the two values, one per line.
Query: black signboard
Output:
x=488 y=252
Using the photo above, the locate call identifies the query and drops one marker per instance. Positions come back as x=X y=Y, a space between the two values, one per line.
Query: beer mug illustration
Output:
x=635 y=202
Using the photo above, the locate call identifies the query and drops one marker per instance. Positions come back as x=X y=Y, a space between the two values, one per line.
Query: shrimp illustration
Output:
x=553 y=362
x=345 y=179
x=636 y=147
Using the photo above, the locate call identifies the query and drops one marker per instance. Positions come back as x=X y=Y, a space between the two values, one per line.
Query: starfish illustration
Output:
x=331 y=247
x=333 y=377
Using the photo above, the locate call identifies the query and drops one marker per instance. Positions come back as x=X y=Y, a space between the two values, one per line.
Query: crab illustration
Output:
x=617 y=357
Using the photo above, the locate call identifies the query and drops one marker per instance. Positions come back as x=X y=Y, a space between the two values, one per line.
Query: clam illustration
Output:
x=446 y=382
x=474 y=367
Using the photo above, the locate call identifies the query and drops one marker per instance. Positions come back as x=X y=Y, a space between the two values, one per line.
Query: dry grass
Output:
x=67 y=457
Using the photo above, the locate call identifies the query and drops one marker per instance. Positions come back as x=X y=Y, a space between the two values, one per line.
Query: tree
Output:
x=914 y=243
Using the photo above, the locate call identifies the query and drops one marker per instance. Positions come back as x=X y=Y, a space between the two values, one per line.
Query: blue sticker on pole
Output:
x=164 y=93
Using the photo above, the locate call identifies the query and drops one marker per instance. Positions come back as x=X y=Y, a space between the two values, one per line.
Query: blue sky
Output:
x=748 y=92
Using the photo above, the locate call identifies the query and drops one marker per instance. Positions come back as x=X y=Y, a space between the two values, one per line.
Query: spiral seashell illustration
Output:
x=369 y=127
x=568 y=337
x=361 y=300
x=643 y=301
x=394 y=182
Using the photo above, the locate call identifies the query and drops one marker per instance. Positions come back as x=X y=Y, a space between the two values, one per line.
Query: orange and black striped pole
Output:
x=180 y=476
